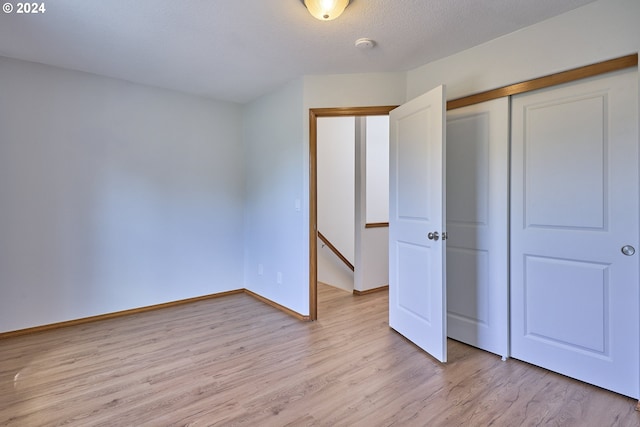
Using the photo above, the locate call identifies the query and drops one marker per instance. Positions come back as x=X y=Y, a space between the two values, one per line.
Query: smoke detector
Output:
x=365 y=44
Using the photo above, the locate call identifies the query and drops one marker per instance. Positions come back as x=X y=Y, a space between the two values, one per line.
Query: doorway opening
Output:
x=314 y=114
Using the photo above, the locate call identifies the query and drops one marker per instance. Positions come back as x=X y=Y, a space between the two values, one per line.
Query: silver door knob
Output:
x=628 y=250
x=433 y=236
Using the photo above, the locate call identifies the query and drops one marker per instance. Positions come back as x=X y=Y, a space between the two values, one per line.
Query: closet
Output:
x=574 y=230
x=527 y=233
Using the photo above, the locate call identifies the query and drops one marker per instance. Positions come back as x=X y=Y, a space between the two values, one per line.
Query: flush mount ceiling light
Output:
x=326 y=10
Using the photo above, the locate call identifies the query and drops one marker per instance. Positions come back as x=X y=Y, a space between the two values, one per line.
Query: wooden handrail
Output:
x=336 y=251
x=376 y=225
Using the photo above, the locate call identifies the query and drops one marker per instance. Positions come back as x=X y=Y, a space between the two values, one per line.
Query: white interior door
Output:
x=574 y=292
x=417 y=292
x=477 y=225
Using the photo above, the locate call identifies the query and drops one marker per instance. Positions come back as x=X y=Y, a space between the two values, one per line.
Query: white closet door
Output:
x=574 y=293
x=477 y=225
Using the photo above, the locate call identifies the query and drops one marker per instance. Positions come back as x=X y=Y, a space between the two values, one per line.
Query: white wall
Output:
x=102 y=182
x=377 y=169
x=336 y=182
x=331 y=270
x=372 y=266
x=113 y=195
x=353 y=90
x=276 y=231
x=598 y=31
x=372 y=244
x=276 y=134
x=336 y=198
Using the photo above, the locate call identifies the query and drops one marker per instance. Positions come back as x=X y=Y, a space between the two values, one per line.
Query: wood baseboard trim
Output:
x=278 y=306
x=82 y=321
x=370 y=291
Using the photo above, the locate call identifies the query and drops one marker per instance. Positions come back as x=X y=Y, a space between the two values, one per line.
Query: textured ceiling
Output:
x=237 y=50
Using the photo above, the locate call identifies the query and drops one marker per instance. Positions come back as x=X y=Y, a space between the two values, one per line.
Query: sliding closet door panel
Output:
x=574 y=293
x=477 y=211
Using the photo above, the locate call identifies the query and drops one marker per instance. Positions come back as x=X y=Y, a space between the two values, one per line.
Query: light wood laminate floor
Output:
x=236 y=361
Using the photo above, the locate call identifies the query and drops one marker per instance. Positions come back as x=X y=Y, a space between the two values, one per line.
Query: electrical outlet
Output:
x=279 y=278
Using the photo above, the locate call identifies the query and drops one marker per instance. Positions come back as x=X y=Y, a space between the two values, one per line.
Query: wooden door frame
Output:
x=314 y=113
x=514 y=89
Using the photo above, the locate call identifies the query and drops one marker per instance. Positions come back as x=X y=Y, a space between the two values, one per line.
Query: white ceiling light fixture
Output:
x=326 y=10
